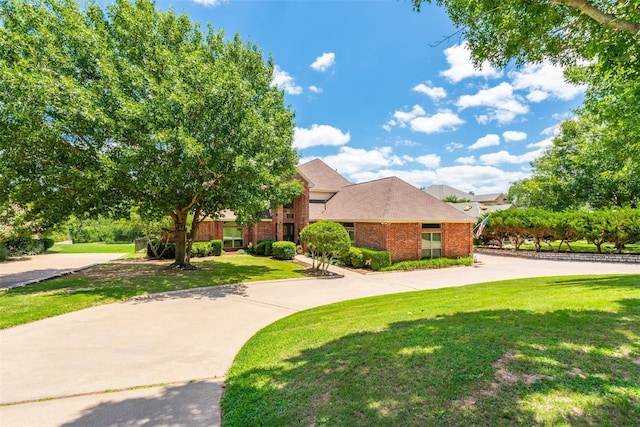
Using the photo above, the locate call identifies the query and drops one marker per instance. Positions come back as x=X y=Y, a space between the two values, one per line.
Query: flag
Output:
x=481 y=227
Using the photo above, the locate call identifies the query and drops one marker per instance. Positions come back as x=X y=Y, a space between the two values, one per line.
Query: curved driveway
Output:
x=161 y=360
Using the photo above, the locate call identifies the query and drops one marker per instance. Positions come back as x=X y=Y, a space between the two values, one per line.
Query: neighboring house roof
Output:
x=476 y=209
x=322 y=177
x=385 y=200
x=443 y=191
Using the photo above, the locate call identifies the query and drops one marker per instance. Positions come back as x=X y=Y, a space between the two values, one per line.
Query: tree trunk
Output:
x=180 y=235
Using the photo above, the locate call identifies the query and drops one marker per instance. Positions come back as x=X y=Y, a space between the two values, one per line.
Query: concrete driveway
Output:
x=31 y=269
x=161 y=360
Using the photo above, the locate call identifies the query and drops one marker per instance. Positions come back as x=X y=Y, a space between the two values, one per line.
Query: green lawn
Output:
x=110 y=283
x=92 y=248
x=544 y=351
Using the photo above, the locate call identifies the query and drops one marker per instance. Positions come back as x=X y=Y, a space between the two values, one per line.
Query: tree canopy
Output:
x=103 y=109
x=595 y=159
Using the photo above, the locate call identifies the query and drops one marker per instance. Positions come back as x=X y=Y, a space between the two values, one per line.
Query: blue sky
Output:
x=377 y=95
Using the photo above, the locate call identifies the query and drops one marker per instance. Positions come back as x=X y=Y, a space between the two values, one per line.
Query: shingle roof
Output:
x=322 y=176
x=442 y=191
x=386 y=200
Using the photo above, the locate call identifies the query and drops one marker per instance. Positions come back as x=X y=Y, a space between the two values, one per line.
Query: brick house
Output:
x=387 y=214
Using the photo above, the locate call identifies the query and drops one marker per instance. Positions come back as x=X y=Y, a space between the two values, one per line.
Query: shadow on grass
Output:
x=495 y=367
x=602 y=282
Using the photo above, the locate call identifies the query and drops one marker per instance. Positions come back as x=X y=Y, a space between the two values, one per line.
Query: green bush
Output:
x=47 y=242
x=429 y=263
x=20 y=246
x=264 y=248
x=216 y=247
x=169 y=250
x=355 y=258
x=284 y=250
x=377 y=260
x=200 y=249
x=4 y=253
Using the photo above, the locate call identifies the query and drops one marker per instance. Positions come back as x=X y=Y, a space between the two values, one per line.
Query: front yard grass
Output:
x=119 y=281
x=543 y=351
x=92 y=248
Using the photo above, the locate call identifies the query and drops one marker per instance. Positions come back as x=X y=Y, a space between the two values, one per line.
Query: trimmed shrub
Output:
x=47 y=242
x=355 y=258
x=264 y=247
x=284 y=250
x=200 y=249
x=216 y=247
x=377 y=260
x=430 y=263
x=251 y=249
x=268 y=248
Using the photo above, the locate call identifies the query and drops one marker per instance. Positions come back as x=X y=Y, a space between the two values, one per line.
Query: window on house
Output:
x=351 y=229
x=232 y=235
x=431 y=245
x=430 y=226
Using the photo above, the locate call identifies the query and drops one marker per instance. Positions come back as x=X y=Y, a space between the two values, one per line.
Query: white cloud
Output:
x=315 y=89
x=434 y=93
x=401 y=118
x=486 y=141
x=431 y=161
x=319 y=135
x=453 y=146
x=442 y=121
x=537 y=95
x=357 y=161
x=210 y=2
x=324 y=61
x=504 y=156
x=461 y=66
x=544 y=80
x=502 y=104
x=479 y=179
x=544 y=144
x=285 y=81
x=360 y=165
x=468 y=160
x=513 y=135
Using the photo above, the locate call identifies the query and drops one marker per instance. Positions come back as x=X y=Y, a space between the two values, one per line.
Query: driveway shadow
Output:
x=192 y=404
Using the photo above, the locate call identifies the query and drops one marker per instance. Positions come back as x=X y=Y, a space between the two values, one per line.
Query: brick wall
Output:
x=371 y=235
x=404 y=241
x=457 y=240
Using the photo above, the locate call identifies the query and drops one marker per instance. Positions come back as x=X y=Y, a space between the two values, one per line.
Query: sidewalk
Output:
x=32 y=269
x=164 y=358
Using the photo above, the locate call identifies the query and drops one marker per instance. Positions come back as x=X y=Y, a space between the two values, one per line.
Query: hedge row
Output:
x=364 y=257
x=198 y=249
x=618 y=226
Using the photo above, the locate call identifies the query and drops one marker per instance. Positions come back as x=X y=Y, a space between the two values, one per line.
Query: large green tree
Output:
x=590 y=164
x=594 y=161
x=101 y=109
x=558 y=30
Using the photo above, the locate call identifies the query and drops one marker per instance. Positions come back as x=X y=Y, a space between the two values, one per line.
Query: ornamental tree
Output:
x=326 y=239
x=104 y=109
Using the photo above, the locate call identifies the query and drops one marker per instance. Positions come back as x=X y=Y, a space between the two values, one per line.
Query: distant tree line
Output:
x=617 y=226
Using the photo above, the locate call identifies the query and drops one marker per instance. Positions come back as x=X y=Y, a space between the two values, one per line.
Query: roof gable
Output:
x=388 y=200
x=322 y=177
